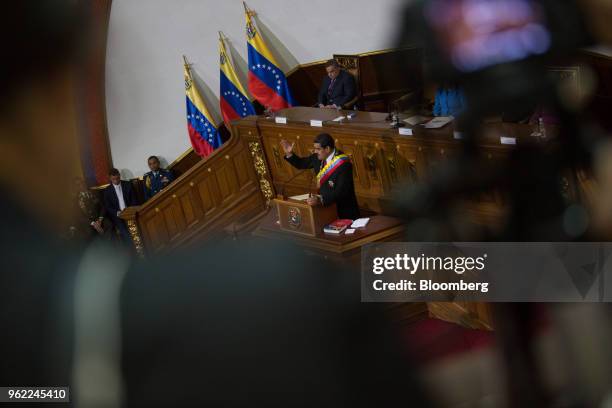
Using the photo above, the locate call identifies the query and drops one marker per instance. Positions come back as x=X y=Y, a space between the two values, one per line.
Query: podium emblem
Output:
x=295 y=218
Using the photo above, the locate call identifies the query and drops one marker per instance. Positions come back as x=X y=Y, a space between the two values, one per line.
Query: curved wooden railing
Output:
x=222 y=190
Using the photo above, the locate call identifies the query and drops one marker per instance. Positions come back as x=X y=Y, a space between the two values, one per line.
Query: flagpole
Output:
x=187 y=66
x=250 y=13
x=222 y=39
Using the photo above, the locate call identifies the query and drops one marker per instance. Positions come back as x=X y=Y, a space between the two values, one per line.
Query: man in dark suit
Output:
x=117 y=197
x=334 y=175
x=338 y=87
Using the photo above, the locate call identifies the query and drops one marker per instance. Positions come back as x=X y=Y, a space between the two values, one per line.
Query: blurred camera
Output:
x=496 y=49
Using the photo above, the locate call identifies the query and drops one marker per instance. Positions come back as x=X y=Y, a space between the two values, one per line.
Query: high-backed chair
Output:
x=350 y=63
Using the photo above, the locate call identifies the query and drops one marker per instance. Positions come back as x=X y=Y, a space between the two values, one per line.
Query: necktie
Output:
x=120 y=198
x=329 y=88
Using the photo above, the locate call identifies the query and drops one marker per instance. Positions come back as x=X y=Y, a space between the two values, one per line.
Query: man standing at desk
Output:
x=338 y=87
x=334 y=175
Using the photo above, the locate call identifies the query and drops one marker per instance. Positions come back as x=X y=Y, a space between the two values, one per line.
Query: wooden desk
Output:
x=380 y=228
x=383 y=160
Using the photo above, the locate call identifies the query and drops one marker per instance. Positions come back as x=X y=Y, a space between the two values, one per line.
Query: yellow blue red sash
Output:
x=331 y=167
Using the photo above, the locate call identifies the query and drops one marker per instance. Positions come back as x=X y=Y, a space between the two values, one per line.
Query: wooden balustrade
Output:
x=212 y=194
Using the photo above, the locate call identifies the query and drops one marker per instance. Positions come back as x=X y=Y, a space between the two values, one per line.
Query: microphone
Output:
x=281 y=195
x=403 y=98
x=310 y=185
x=395 y=104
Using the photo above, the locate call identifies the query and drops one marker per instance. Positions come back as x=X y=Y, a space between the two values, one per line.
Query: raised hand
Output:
x=287 y=147
x=312 y=201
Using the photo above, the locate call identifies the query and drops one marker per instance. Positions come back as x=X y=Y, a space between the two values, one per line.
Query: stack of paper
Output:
x=439 y=122
x=416 y=120
x=301 y=197
x=360 y=223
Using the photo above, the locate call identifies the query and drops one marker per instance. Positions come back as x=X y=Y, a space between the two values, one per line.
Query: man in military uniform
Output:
x=334 y=175
x=156 y=179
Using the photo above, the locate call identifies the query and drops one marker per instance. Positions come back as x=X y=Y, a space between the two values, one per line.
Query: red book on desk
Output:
x=337 y=226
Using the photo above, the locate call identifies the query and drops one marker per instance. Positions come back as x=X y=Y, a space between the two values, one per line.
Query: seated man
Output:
x=338 y=87
x=334 y=175
x=117 y=196
x=156 y=179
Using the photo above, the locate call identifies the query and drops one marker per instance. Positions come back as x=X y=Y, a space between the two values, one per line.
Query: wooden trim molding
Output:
x=363 y=54
x=181 y=157
x=259 y=163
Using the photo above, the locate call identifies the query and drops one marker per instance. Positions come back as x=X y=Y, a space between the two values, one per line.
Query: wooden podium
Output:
x=298 y=217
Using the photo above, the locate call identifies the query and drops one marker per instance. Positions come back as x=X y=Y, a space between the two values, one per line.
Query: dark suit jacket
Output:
x=341 y=190
x=342 y=91
x=88 y=209
x=111 y=202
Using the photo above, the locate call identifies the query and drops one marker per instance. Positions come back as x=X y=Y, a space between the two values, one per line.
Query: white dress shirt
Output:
x=330 y=157
x=119 y=193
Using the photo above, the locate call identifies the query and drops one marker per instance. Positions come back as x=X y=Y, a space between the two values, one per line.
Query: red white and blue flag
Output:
x=267 y=82
x=233 y=99
x=203 y=133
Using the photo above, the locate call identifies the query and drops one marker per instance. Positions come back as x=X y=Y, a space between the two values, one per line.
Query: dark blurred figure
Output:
x=500 y=51
x=245 y=333
x=38 y=145
x=91 y=221
x=117 y=197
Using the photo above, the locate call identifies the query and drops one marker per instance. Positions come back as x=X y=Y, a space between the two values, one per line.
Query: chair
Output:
x=350 y=63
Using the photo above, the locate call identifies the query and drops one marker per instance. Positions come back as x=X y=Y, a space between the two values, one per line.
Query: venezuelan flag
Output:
x=267 y=82
x=234 y=103
x=203 y=134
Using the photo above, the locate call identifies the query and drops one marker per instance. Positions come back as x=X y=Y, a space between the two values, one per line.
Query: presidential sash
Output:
x=331 y=167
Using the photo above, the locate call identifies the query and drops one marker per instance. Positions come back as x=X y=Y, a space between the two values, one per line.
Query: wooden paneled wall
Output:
x=383 y=162
x=385 y=76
